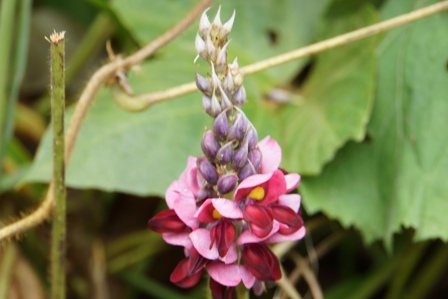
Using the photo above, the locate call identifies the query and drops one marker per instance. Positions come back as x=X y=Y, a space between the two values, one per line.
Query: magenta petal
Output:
x=185 y=207
x=246 y=186
x=227 y=208
x=201 y=241
x=231 y=256
x=276 y=238
x=292 y=181
x=247 y=236
x=205 y=212
x=188 y=178
x=275 y=187
x=227 y=275
x=272 y=155
x=171 y=194
x=178 y=239
x=247 y=277
x=290 y=200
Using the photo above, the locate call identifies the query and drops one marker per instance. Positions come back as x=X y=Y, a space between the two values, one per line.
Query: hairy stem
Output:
x=57 y=87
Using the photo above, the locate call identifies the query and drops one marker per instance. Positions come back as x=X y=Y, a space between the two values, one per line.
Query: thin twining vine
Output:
x=143 y=101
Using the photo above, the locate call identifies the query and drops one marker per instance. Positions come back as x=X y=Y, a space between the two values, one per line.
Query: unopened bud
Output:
x=221 y=60
x=255 y=157
x=209 y=145
x=211 y=50
x=228 y=84
x=238 y=128
x=203 y=84
x=200 y=46
x=217 y=20
x=251 y=136
x=227 y=27
x=207 y=170
x=240 y=157
x=239 y=98
x=225 y=153
x=206 y=192
x=215 y=108
x=227 y=183
x=204 y=23
x=207 y=104
x=221 y=126
x=226 y=104
x=246 y=171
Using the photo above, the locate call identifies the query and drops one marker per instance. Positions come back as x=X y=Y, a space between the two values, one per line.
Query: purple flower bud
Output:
x=215 y=108
x=238 y=128
x=246 y=171
x=240 y=157
x=239 y=98
x=207 y=104
x=204 y=193
x=207 y=170
x=255 y=157
x=209 y=145
x=216 y=82
x=227 y=183
x=251 y=136
x=226 y=104
x=225 y=153
x=221 y=126
x=203 y=84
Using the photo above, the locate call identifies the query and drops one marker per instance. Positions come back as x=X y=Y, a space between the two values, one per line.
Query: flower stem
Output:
x=57 y=119
x=241 y=292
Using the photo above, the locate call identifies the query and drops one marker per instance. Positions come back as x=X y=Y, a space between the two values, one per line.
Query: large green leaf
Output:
x=142 y=153
x=400 y=177
x=335 y=103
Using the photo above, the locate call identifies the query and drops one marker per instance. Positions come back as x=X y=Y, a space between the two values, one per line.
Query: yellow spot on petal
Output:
x=257 y=193
x=216 y=214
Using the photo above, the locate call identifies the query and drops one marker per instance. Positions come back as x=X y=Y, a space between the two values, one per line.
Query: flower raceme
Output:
x=229 y=204
x=228 y=236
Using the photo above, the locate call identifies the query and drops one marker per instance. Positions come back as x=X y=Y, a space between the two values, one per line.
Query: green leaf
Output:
x=335 y=103
x=399 y=178
x=141 y=153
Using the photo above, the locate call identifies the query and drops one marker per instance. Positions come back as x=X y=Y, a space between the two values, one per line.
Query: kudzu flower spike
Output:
x=230 y=204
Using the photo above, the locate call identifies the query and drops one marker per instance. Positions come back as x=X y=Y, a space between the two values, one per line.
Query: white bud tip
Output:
x=229 y=24
x=217 y=20
x=204 y=23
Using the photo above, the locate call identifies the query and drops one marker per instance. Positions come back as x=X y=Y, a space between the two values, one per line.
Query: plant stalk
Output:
x=57 y=119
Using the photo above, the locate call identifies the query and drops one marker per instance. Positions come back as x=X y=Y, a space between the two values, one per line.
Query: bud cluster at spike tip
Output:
x=233 y=201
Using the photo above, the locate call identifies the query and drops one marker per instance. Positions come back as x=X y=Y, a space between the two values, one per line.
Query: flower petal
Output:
x=228 y=275
x=247 y=277
x=272 y=154
x=276 y=238
x=205 y=212
x=292 y=181
x=201 y=241
x=248 y=237
x=171 y=194
x=180 y=239
x=246 y=186
x=185 y=207
x=231 y=256
x=290 y=200
x=227 y=208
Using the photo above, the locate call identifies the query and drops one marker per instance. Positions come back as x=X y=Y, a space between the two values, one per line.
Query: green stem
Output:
x=429 y=275
x=57 y=119
x=7 y=12
x=241 y=292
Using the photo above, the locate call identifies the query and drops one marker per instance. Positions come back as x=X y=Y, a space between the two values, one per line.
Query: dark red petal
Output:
x=260 y=219
x=287 y=216
x=227 y=237
x=181 y=276
x=261 y=262
x=167 y=222
x=219 y=291
x=195 y=262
